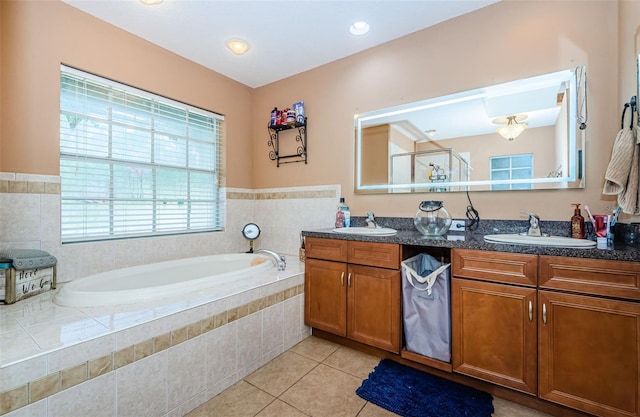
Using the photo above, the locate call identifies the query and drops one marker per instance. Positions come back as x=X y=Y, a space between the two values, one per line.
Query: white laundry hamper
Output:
x=426 y=305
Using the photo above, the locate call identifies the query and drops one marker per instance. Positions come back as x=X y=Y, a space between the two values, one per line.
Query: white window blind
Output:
x=135 y=164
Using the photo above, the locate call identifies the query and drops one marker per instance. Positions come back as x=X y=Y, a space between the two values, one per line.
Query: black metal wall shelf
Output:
x=274 y=143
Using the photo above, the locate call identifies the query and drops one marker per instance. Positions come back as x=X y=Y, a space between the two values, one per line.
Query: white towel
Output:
x=621 y=177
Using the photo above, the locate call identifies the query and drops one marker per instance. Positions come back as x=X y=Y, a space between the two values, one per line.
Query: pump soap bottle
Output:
x=577 y=223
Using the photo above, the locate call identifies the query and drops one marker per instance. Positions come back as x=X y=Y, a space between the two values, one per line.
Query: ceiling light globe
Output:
x=151 y=2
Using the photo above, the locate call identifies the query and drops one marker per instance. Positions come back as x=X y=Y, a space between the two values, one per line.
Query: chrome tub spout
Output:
x=278 y=259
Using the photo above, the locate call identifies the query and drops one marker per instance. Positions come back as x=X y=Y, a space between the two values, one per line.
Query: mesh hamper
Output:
x=426 y=307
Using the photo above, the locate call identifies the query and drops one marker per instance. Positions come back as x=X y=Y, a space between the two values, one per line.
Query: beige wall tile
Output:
x=35 y=187
x=220 y=319
x=178 y=335
x=143 y=349
x=123 y=357
x=18 y=187
x=161 y=342
x=95 y=397
x=44 y=387
x=193 y=330
x=207 y=324
x=52 y=188
x=14 y=399
x=137 y=396
x=100 y=366
x=73 y=376
x=222 y=353
x=186 y=371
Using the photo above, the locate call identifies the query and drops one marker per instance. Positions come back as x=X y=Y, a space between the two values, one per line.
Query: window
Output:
x=512 y=167
x=135 y=164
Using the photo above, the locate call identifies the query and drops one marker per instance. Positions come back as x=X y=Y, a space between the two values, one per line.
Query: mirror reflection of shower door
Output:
x=436 y=168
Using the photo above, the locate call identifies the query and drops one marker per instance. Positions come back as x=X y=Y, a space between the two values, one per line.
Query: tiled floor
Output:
x=314 y=378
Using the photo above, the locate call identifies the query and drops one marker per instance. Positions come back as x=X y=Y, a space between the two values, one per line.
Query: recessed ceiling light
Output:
x=151 y=2
x=238 y=46
x=359 y=28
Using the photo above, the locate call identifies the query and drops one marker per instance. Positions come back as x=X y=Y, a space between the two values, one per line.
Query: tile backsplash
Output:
x=30 y=219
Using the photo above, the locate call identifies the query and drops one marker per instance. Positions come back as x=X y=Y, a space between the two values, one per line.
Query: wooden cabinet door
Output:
x=325 y=293
x=493 y=333
x=373 y=306
x=589 y=353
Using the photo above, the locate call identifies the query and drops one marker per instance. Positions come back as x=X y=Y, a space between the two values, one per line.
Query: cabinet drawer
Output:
x=513 y=268
x=384 y=255
x=591 y=276
x=328 y=249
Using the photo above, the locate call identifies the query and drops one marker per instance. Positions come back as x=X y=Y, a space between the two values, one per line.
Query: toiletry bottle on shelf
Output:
x=340 y=214
x=577 y=223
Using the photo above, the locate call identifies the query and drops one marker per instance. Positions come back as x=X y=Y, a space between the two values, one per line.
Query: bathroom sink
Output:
x=369 y=231
x=556 y=241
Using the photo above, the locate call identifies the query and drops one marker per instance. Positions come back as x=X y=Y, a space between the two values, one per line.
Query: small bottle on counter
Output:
x=346 y=214
x=340 y=214
x=577 y=223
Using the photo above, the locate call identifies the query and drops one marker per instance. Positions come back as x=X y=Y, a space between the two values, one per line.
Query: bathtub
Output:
x=224 y=273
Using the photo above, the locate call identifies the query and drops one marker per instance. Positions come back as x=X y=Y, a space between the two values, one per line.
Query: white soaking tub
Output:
x=227 y=273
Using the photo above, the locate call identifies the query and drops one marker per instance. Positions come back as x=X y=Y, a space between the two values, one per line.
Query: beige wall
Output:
x=463 y=53
x=36 y=36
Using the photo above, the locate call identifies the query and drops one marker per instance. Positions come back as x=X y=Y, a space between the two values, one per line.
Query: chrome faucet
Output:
x=371 y=221
x=278 y=259
x=534 y=224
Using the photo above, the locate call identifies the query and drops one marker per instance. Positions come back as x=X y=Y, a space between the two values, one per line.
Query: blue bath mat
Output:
x=412 y=393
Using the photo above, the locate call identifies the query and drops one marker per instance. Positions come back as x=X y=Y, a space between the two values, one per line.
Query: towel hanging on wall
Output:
x=621 y=177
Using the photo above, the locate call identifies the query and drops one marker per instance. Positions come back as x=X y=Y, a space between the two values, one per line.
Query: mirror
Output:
x=451 y=143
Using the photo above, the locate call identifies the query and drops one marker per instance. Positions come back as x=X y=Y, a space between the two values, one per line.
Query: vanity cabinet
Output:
x=589 y=340
x=564 y=329
x=493 y=313
x=352 y=289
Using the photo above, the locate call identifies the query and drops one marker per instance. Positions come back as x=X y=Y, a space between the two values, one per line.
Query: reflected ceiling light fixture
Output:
x=431 y=132
x=151 y=2
x=512 y=127
x=359 y=28
x=238 y=46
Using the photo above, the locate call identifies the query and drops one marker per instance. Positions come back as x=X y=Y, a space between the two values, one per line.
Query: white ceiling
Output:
x=286 y=37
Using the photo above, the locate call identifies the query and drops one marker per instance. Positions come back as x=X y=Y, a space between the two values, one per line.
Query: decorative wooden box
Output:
x=25 y=273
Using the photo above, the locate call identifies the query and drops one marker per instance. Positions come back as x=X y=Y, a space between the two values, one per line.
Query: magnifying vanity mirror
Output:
x=526 y=134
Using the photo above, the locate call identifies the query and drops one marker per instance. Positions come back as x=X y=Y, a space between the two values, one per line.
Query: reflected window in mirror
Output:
x=446 y=144
x=512 y=167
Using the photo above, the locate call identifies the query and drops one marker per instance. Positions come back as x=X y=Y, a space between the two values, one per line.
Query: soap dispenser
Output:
x=577 y=223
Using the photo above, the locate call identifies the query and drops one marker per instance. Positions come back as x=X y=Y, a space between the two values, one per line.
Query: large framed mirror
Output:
x=526 y=134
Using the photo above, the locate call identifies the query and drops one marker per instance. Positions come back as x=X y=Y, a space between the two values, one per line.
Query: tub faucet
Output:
x=534 y=224
x=371 y=221
x=278 y=259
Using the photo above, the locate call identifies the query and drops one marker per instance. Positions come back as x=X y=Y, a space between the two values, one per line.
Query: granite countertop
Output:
x=475 y=239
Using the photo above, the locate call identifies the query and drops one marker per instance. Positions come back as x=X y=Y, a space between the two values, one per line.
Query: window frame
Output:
x=199 y=203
